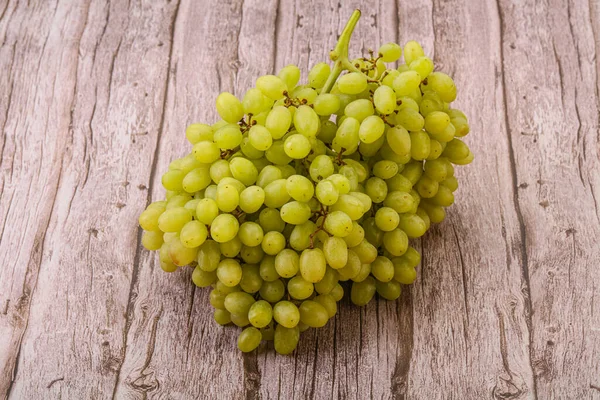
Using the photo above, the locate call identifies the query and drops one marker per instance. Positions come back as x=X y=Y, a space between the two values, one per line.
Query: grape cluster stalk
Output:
x=301 y=192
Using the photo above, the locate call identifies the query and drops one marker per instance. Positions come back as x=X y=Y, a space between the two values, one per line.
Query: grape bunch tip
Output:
x=301 y=192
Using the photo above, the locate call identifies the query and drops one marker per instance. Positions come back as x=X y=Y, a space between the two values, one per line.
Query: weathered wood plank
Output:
x=552 y=118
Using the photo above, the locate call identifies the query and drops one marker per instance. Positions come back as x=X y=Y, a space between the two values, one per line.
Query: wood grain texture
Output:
x=94 y=99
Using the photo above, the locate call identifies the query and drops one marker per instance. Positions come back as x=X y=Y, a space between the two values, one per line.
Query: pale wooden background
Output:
x=94 y=99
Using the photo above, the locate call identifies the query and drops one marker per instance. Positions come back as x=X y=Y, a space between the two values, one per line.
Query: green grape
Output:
x=424 y=216
x=436 y=122
x=243 y=170
x=193 y=234
x=352 y=267
x=398 y=183
x=250 y=151
x=410 y=119
x=228 y=197
x=277 y=154
x=229 y=108
x=174 y=219
x=456 y=150
x=299 y=288
x=352 y=83
x=446 y=135
x=251 y=199
x=172 y=180
x=254 y=102
x=286 y=171
x=430 y=102
x=427 y=187
x=271 y=86
x=376 y=189
x=206 y=152
x=232 y=248
x=250 y=234
x=359 y=109
x=461 y=126
x=382 y=269
x=318 y=75
x=286 y=314
x=387 y=219
x=272 y=291
x=435 y=150
x=341 y=183
x=312 y=265
x=444 y=197
x=442 y=84
x=337 y=293
x=326 y=193
x=412 y=225
x=287 y=263
x=217 y=299
x=198 y=132
x=297 y=146
x=338 y=223
x=251 y=281
x=206 y=211
x=229 y=272
x=191 y=206
x=413 y=171
x=269 y=174
x=335 y=250
x=270 y=220
x=412 y=51
x=251 y=255
x=286 y=339
x=388 y=290
x=347 y=136
x=398 y=139
x=152 y=240
x=181 y=255
x=327 y=131
x=349 y=205
x=300 y=188
x=267 y=269
x=260 y=138
x=385 y=169
x=313 y=314
x=260 y=314
x=416 y=201
x=350 y=174
x=436 y=213
x=371 y=129
x=148 y=219
x=276 y=194
x=321 y=167
x=238 y=303
x=240 y=320
x=388 y=154
x=401 y=202
x=390 y=52
x=168 y=266
x=363 y=198
x=278 y=121
x=423 y=66
x=300 y=236
x=290 y=75
x=395 y=242
x=249 y=339
x=273 y=242
x=384 y=99
x=305 y=95
x=390 y=76
x=326 y=285
x=406 y=83
x=451 y=183
x=178 y=201
x=306 y=121
x=366 y=252
x=371 y=149
x=222 y=317
x=365 y=270
x=362 y=292
x=209 y=255
x=403 y=272
x=356 y=235
x=218 y=125
x=219 y=170
x=224 y=228
x=295 y=212
x=326 y=104
x=228 y=137
x=464 y=161
x=328 y=302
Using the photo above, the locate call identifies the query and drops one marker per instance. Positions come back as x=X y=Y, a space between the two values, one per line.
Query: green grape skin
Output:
x=276 y=153
x=444 y=197
x=385 y=169
x=206 y=152
x=271 y=86
x=398 y=183
x=198 y=132
x=337 y=293
x=168 y=266
x=388 y=290
x=250 y=151
x=251 y=255
x=424 y=216
x=278 y=121
x=177 y=201
x=286 y=314
x=442 y=84
x=371 y=149
x=318 y=75
x=229 y=272
x=406 y=83
x=352 y=267
x=356 y=235
x=217 y=299
x=299 y=288
x=240 y=320
x=243 y=170
x=382 y=269
x=313 y=314
x=191 y=205
x=451 y=183
x=152 y=240
x=276 y=194
x=268 y=174
x=327 y=131
x=232 y=248
x=395 y=242
x=321 y=167
x=399 y=140
x=403 y=272
x=363 y=198
x=362 y=292
x=422 y=65
x=297 y=146
x=172 y=180
x=300 y=236
x=270 y=220
x=456 y=150
x=250 y=234
x=387 y=219
x=209 y=255
x=328 y=302
x=222 y=317
x=436 y=213
x=350 y=174
x=335 y=250
x=413 y=171
x=193 y=234
x=376 y=189
x=390 y=52
x=148 y=219
x=446 y=135
x=312 y=265
x=229 y=108
x=326 y=193
x=273 y=242
x=436 y=122
x=412 y=51
x=412 y=225
x=427 y=187
x=410 y=119
x=300 y=188
x=352 y=83
x=371 y=129
x=251 y=199
x=326 y=104
x=249 y=339
x=287 y=263
x=365 y=271
x=437 y=169
x=306 y=95
x=238 y=303
x=260 y=314
x=219 y=170
x=330 y=279
x=251 y=281
x=366 y=252
x=228 y=137
x=286 y=339
x=267 y=269
x=286 y=171
x=224 y=228
x=350 y=205
x=384 y=99
x=290 y=75
x=254 y=102
x=359 y=109
x=202 y=278
x=306 y=121
x=338 y=224
x=174 y=219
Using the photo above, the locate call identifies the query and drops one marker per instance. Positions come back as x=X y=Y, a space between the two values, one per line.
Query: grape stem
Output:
x=339 y=55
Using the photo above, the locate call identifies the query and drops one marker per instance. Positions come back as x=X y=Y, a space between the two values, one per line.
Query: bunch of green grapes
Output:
x=301 y=187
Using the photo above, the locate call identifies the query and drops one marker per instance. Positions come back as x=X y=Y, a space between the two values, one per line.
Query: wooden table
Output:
x=94 y=100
